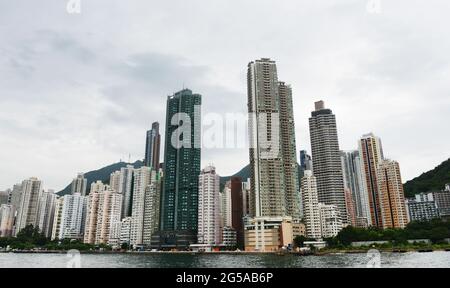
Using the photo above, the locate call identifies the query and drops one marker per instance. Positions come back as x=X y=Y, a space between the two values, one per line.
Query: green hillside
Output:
x=101 y=174
x=433 y=180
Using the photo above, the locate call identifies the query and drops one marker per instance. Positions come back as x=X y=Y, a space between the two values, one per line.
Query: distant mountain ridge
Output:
x=432 y=180
x=101 y=174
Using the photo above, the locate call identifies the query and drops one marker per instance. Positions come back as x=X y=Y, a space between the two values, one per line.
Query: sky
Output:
x=79 y=90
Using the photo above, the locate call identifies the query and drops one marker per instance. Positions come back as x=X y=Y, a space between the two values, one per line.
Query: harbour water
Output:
x=176 y=260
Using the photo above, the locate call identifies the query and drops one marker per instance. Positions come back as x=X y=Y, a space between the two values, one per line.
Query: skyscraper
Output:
x=326 y=158
x=274 y=174
x=354 y=181
x=143 y=178
x=289 y=152
x=209 y=231
x=79 y=185
x=152 y=147
x=126 y=189
x=311 y=212
x=305 y=161
x=391 y=195
x=27 y=213
x=46 y=212
x=73 y=217
x=179 y=201
x=151 y=210
x=371 y=153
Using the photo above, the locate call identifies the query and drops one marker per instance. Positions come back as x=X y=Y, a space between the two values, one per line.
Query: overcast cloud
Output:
x=78 y=91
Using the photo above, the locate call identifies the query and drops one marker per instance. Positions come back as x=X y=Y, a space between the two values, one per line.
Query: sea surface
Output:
x=160 y=260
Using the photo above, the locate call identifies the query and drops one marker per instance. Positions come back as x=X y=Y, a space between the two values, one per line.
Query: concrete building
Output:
x=266 y=234
x=4 y=197
x=391 y=195
x=298 y=229
x=330 y=220
x=371 y=154
x=327 y=166
x=125 y=188
x=59 y=204
x=73 y=217
x=152 y=147
x=273 y=164
x=92 y=211
x=311 y=212
x=114 y=181
x=143 y=178
x=152 y=210
x=6 y=220
x=27 y=213
x=350 y=205
x=79 y=185
x=229 y=237
x=422 y=208
x=109 y=212
x=354 y=182
x=125 y=231
x=209 y=229
x=46 y=212
x=442 y=199
x=305 y=161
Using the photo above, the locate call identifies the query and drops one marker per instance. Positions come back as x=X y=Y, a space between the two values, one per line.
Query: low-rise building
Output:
x=266 y=234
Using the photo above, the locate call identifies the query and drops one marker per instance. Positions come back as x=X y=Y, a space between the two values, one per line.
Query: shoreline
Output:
x=281 y=254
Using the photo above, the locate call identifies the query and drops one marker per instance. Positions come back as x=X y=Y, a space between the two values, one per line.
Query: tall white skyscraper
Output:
x=151 y=210
x=143 y=178
x=79 y=185
x=311 y=212
x=92 y=211
x=330 y=220
x=46 y=212
x=209 y=230
x=29 y=204
x=73 y=217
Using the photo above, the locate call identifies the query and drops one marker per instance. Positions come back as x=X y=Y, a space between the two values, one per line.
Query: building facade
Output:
x=73 y=217
x=152 y=147
x=182 y=158
x=371 y=153
x=79 y=185
x=422 y=208
x=391 y=195
x=327 y=166
x=311 y=212
x=28 y=210
x=209 y=228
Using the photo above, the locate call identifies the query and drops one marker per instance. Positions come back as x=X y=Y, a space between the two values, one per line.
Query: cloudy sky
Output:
x=78 y=91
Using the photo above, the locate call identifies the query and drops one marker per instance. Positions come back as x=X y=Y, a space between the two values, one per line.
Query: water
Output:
x=425 y=260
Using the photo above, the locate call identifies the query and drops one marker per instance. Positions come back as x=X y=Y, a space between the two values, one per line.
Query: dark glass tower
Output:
x=179 y=201
x=152 y=147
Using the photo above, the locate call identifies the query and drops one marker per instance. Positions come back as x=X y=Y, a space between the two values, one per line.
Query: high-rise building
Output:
x=6 y=220
x=330 y=220
x=125 y=231
x=79 y=185
x=273 y=163
x=73 y=217
x=109 y=212
x=391 y=195
x=350 y=206
x=27 y=213
x=46 y=212
x=209 y=230
x=4 y=197
x=289 y=153
x=371 y=154
x=92 y=212
x=327 y=166
x=355 y=183
x=114 y=181
x=311 y=212
x=305 y=161
x=246 y=197
x=126 y=189
x=143 y=178
x=422 y=208
x=182 y=157
x=152 y=147
x=152 y=203
x=59 y=205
